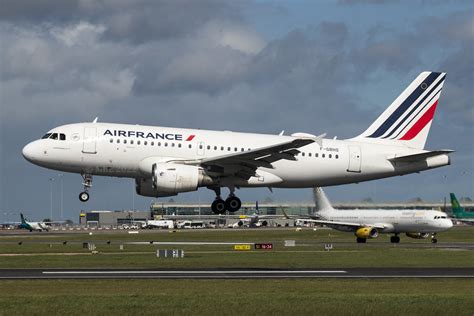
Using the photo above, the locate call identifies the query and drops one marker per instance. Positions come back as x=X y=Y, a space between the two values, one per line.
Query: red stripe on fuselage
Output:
x=190 y=138
x=418 y=126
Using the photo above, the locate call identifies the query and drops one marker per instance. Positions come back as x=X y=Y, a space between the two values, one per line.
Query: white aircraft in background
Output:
x=166 y=161
x=255 y=220
x=366 y=224
x=163 y=223
x=31 y=226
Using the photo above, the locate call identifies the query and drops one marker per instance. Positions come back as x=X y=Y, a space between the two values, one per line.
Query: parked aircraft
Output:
x=164 y=223
x=367 y=224
x=254 y=220
x=166 y=161
x=31 y=226
x=459 y=213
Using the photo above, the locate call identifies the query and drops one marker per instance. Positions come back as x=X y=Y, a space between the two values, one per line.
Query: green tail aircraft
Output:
x=31 y=226
x=458 y=212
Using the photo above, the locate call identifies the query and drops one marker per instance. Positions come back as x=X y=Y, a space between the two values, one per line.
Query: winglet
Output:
x=95 y=120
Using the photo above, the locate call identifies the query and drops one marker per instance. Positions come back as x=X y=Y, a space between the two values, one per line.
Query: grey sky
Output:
x=252 y=66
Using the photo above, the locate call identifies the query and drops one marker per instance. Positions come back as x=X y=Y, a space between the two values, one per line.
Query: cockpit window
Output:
x=54 y=136
x=46 y=136
x=62 y=136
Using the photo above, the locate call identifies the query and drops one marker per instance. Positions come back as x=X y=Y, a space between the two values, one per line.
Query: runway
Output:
x=369 y=273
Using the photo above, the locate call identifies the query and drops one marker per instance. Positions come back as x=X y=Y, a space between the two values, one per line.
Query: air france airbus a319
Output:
x=166 y=161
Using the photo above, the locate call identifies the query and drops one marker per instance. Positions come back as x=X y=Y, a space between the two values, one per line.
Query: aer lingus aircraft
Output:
x=165 y=161
x=459 y=214
x=367 y=224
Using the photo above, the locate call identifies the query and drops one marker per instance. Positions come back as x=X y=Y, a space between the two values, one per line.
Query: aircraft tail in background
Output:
x=458 y=211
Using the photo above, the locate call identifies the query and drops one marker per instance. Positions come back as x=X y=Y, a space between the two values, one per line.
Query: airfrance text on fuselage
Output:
x=137 y=134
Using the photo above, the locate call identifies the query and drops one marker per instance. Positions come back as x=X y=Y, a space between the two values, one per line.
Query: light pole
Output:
x=61 y=201
x=51 y=198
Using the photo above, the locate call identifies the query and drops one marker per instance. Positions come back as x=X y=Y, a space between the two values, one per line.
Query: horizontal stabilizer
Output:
x=420 y=156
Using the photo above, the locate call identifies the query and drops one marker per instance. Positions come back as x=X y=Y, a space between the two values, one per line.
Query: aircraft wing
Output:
x=420 y=156
x=245 y=163
x=463 y=220
x=343 y=224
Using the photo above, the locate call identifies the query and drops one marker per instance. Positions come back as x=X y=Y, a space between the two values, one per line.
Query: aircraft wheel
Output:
x=218 y=206
x=84 y=196
x=395 y=239
x=233 y=204
x=434 y=240
x=361 y=240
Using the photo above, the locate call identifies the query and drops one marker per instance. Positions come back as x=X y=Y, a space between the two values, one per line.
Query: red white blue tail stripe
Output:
x=411 y=113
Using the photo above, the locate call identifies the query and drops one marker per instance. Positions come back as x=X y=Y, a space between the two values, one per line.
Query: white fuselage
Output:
x=393 y=221
x=122 y=150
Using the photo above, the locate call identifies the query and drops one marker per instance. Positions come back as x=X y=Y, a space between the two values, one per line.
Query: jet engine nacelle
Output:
x=171 y=179
x=144 y=187
x=367 y=232
x=418 y=235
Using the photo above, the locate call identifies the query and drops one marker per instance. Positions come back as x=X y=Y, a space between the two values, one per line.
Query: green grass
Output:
x=244 y=297
x=309 y=252
x=229 y=297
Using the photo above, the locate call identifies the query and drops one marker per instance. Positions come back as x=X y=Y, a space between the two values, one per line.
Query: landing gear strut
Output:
x=395 y=239
x=84 y=196
x=231 y=204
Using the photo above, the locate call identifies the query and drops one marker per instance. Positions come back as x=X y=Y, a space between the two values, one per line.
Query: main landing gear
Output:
x=84 y=196
x=231 y=204
x=395 y=239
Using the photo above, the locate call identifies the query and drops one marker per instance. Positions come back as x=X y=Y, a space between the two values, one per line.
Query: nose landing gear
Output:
x=434 y=240
x=84 y=196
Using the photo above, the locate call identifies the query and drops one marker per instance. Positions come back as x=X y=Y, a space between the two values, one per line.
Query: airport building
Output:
x=181 y=211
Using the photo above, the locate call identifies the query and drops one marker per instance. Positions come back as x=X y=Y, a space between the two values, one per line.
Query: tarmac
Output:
x=356 y=273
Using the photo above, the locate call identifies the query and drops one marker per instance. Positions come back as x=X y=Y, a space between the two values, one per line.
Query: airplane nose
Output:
x=449 y=223
x=29 y=152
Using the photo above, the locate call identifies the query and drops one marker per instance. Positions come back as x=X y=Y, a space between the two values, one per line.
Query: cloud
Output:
x=208 y=67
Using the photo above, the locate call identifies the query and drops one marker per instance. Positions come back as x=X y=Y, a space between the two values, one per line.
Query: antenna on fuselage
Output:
x=95 y=120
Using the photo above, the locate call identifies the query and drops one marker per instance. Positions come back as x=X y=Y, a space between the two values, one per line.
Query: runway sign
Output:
x=242 y=247
x=266 y=246
x=170 y=253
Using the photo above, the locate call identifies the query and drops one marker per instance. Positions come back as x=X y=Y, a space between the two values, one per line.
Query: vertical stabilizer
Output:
x=458 y=211
x=321 y=201
x=23 y=220
x=407 y=120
